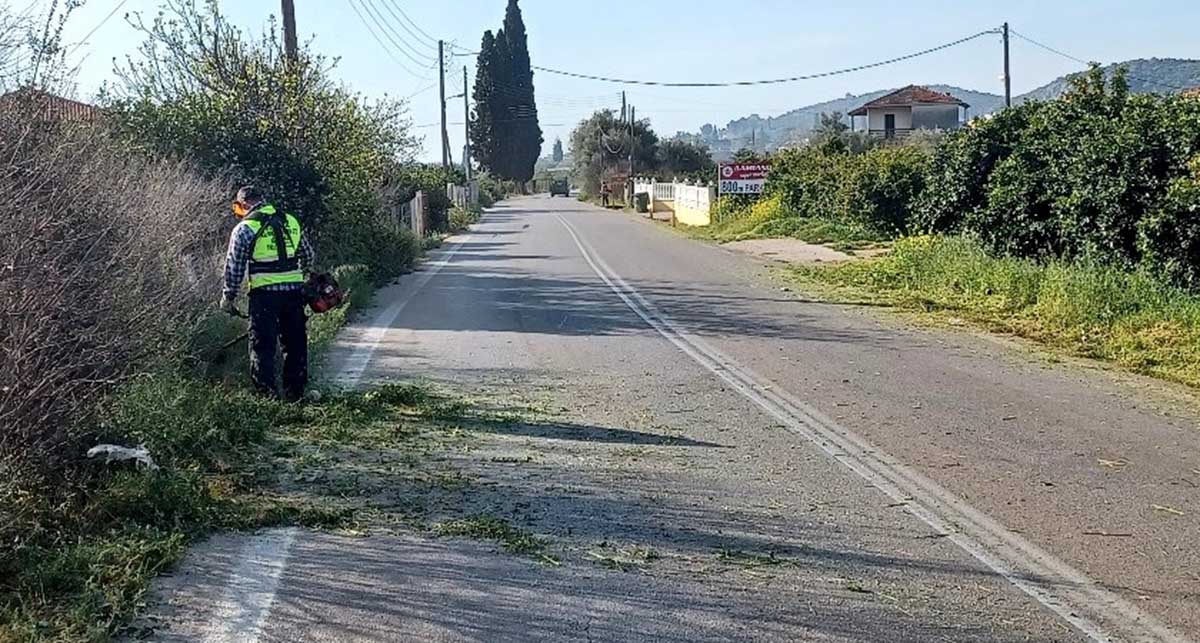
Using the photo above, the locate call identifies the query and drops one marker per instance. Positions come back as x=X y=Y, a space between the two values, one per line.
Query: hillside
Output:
x=768 y=133
x=1146 y=76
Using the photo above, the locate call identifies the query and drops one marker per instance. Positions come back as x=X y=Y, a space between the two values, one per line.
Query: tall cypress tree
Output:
x=503 y=110
x=526 y=134
x=483 y=122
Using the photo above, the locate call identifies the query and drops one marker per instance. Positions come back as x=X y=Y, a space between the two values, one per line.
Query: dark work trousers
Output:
x=278 y=317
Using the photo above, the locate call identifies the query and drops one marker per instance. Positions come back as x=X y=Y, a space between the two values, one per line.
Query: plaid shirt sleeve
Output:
x=305 y=254
x=241 y=245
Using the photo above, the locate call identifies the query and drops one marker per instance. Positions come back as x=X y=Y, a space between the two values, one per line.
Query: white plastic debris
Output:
x=115 y=453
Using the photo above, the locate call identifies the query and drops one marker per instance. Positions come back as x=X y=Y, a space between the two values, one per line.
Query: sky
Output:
x=681 y=41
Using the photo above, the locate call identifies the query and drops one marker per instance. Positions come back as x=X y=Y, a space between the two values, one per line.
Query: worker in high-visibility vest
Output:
x=271 y=245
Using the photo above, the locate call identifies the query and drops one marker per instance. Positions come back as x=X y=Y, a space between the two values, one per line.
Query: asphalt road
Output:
x=801 y=470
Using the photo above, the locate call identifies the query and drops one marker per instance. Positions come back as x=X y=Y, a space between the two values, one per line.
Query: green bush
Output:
x=462 y=218
x=960 y=167
x=1170 y=234
x=879 y=188
x=730 y=207
x=204 y=91
x=432 y=180
x=1099 y=175
x=808 y=179
x=495 y=189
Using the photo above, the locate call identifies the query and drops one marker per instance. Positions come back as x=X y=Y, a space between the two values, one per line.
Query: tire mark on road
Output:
x=1098 y=613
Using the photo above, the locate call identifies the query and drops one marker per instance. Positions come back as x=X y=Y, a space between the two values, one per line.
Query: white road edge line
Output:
x=250 y=595
x=1099 y=614
x=243 y=609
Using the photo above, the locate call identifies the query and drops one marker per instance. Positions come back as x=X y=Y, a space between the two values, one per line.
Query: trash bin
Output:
x=641 y=201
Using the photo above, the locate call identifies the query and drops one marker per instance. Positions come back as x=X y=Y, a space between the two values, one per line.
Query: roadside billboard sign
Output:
x=742 y=178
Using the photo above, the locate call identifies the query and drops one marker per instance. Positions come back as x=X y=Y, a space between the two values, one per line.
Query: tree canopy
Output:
x=505 y=130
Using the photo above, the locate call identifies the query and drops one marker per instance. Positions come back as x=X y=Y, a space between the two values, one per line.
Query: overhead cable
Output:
x=423 y=38
x=383 y=46
x=773 y=81
x=1087 y=63
x=385 y=26
x=93 y=31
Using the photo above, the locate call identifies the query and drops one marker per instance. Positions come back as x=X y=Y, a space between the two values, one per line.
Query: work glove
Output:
x=228 y=306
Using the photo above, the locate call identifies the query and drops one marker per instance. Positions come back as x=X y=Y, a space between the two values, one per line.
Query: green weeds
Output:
x=483 y=527
x=1089 y=310
x=770 y=218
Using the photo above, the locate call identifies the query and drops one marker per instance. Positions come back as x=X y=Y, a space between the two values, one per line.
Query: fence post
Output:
x=418 y=215
x=674 y=200
x=653 y=190
x=712 y=198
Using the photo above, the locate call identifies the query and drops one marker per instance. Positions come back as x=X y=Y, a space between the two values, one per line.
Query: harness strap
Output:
x=276 y=223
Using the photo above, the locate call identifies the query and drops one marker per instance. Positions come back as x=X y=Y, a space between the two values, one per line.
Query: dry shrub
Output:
x=108 y=261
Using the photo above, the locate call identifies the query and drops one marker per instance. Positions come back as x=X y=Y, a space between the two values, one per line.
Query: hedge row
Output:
x=1100 y=174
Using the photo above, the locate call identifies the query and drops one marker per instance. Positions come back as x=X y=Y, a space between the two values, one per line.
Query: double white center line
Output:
x=1096 y=612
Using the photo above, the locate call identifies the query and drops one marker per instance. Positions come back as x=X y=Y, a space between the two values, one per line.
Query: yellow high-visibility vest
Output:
x=270 y=264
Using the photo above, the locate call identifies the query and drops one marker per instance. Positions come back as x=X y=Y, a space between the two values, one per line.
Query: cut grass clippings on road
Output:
x=483 y=527
x=222 y=454
x=1128 y=318
x=95 y=542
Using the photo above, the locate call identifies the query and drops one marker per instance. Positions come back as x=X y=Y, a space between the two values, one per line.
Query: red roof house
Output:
x=897 y=114
x=46 y=106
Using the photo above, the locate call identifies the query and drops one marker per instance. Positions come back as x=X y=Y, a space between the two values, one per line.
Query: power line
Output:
x=1087 y=63
x=462 y=52
x=386 y=27
x=414 y=24
x=420 y=91
x=1049 y=48
x=91 y=33
x=774 y=81
x=383 y=46
x=429 y=41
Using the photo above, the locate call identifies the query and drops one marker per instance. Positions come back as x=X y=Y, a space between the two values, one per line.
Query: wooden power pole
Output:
x=289 y=31
x=442 y=94
x=466 y=126
x=1007 y=76
x=632 y=118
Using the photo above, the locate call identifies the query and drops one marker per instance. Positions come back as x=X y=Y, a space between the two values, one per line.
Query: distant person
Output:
x=271 y=246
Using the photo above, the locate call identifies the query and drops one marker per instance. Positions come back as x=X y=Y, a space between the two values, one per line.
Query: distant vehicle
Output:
x=560 y=186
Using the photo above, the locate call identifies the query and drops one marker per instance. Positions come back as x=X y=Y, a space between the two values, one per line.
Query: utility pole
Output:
x=289 y=31
x=442 y=95
x=633 y=110
x=466 y=125
x=1007 y=77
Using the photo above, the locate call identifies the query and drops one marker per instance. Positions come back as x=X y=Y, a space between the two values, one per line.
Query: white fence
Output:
x=688 y=204
x=658 y=190
x=692 y=197
x=664 y=191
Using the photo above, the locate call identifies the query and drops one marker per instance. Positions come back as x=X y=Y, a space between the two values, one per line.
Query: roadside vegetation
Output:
x=115 y=236
x=601 y=144
x=1092 y=310
x=1073 y=221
